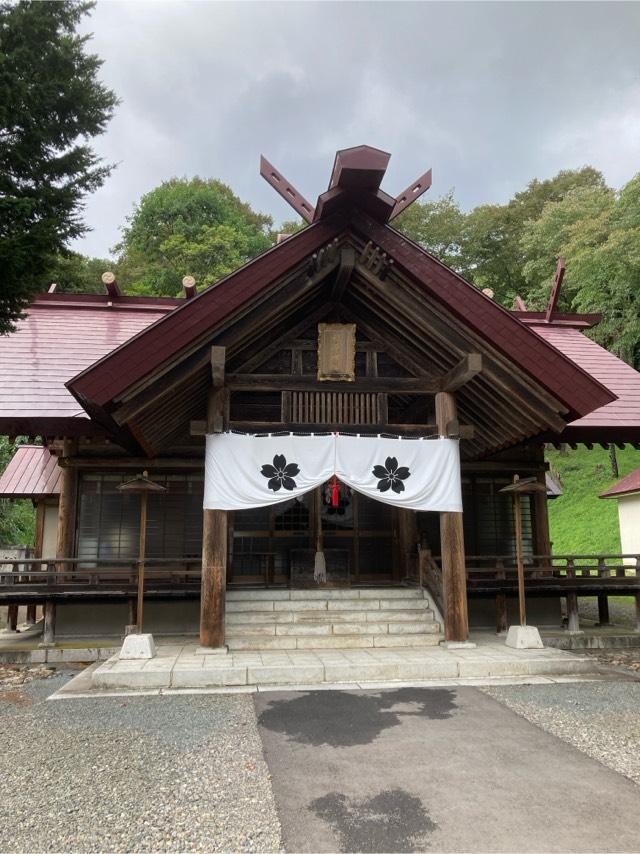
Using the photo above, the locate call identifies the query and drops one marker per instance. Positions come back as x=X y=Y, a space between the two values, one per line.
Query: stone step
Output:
x=333 y=593
x=318 y=606
x=268 y=618
x=333 y=641
x=254 y=630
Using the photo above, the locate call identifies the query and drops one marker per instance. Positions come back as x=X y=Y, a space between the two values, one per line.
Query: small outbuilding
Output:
x=627 y=493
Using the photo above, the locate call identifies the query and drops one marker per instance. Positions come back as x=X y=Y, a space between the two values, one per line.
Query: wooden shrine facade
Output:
x=344 y=326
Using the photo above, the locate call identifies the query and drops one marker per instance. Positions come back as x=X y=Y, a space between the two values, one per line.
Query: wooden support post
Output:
x=66 y=530
x=541 y=517
x=12 y=618
x=214 y=523
x=133 y=612
x=603 y=600
x=454 y=576
x=37 y=552
x=142 y=553
x=638 y=612
x=407 y=544
x=517 y=513
x=501 y=603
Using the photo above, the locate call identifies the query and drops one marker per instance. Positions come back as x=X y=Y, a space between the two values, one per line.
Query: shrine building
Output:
x=341 y=413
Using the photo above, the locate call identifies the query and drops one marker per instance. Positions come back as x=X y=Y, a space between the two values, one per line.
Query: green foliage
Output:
x=51 y=105
x=582 y=523
x=292 y=226
x=439 y=227
x=75 y=273
x=191 y=227
x=17 y=518
x=513 y=249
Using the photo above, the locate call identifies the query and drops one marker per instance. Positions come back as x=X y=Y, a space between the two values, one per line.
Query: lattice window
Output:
x=328 y=407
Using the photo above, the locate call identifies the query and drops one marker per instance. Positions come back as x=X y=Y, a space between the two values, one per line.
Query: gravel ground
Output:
x=172 y=773
x=602 y=719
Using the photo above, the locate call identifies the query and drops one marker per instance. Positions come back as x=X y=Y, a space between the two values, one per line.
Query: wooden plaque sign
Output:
x=337 y=351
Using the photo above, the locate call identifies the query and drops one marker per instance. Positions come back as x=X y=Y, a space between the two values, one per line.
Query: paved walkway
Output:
x=434 y=769
x=185 y=666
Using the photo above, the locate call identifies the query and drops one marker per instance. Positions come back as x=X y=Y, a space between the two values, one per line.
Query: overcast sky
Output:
x=488 y=94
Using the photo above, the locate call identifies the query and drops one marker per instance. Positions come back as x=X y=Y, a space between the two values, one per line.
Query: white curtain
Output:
x=244 y=471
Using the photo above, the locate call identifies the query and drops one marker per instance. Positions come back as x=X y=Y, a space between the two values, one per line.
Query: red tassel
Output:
x=335 y=492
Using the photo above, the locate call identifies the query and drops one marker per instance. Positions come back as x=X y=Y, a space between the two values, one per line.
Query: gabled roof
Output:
x=110 y=376
x=61 y=335
x=113 y=375
x=32 y=473
x=617 y=421
x=627 y=486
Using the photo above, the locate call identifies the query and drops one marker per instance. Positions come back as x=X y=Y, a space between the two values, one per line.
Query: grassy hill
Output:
x=582 y=523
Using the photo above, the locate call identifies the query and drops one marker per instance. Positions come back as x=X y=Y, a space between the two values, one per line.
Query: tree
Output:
x=51 y=104
x=17 y=518
x=493 y=240
x=564 y=229
x=188 y=226
x=75 y=273
x=439 y=227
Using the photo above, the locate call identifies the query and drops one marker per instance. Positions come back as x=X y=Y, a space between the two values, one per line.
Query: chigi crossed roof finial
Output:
x=355 y=181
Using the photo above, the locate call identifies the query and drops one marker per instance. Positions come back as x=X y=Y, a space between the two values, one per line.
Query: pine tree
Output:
x=51 y=105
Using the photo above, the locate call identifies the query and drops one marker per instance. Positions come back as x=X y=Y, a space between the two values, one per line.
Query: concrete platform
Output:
x=179 y=666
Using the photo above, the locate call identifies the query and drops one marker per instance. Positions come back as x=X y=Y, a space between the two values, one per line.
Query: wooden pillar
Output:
x=603 y=600
x=407 y=544
x=66 y=530
x=454 y=576
x=214 y=523
x=37 y=552
x=12 y=618
x=541 y=515
x=501 y=603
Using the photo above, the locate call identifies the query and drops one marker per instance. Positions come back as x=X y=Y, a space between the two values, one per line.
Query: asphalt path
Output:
x=435 y=769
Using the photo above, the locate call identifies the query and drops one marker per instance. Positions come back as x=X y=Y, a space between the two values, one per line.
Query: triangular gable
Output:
x=110 y=378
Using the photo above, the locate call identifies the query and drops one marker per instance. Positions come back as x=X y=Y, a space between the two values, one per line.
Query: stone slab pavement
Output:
x=434 y=769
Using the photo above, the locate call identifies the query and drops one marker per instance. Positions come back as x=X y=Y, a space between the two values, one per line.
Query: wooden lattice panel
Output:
x=326 y=407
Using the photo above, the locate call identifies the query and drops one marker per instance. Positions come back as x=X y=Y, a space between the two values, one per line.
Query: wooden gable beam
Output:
x=288 y=192
x=343 y=276
x=460 y=374
x=302 y=382
x=413 y=192
x=555 y=290
x=218 y=359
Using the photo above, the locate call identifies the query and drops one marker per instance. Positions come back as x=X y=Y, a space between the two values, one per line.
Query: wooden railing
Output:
x=570 y=576
x=32 y=580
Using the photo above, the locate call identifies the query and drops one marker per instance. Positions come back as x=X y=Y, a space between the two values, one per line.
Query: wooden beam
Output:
x=343 y=276
x=555 y=290
x=286 y=189
x=218 y=359
x=454 y=577
x=293 y=382
x=111 y=286
x=214 y=542
x=460 y=374
x=131 y=462
x=67 y=504
x=413 y=192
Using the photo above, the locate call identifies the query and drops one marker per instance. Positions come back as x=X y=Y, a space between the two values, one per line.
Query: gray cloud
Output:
x=488 y=94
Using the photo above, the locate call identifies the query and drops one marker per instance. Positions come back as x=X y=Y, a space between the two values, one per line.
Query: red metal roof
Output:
x=616 y=421
x=32 y=473
x=60 y=336
x=628 y=484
